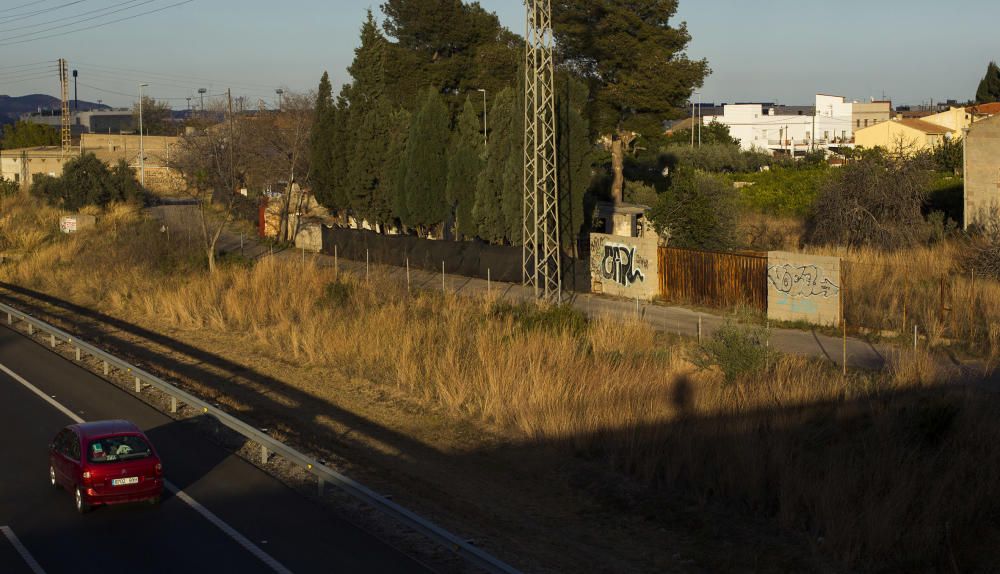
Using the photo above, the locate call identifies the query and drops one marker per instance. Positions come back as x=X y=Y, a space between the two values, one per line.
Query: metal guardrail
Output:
x=268 y=444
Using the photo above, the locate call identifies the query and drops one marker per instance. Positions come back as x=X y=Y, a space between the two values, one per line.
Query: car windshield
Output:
x=117 y=448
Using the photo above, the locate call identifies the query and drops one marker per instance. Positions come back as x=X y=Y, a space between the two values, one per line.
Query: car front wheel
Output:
x=52 y=478
x=81 y=505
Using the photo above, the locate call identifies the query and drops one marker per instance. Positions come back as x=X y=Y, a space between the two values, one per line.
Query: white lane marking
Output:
x=28 y=558
x=239 y=538
x=75 y=417
x=181 y=495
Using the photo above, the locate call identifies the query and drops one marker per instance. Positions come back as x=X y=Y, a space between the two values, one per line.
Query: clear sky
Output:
x=781 y=50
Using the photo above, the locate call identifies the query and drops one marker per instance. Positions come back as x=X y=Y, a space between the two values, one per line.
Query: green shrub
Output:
x=736 y=349
x=715 y=158
x=783 y=191
x=551 y=319
x=698 y=211
x=8 y=188
x=337 y=294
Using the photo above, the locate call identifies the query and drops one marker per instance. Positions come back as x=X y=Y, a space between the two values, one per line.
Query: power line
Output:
x=77 y=21
x=106 y=8
x=23 y=5
x=175 y=77
x=11 y=67
x=98 y=25
x=16 y=17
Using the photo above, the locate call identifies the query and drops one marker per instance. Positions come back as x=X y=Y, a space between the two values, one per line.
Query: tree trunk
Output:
x=618 y=168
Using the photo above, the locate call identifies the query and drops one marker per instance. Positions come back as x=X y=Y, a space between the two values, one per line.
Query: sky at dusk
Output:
x=778 y=50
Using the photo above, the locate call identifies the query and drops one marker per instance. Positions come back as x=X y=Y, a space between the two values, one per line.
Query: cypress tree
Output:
x=427 y=163
x=576 y=155
x=321 y=144
x=394 y=168
x=989 y=87
x=344 y=141
x=465 y=162
x=369 y=200
x=499 y=189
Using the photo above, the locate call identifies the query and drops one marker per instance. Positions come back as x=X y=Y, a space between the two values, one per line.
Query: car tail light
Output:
x=159 y=469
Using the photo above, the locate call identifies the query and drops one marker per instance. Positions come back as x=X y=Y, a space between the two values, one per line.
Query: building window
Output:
x=859 y=123
x=866 y=123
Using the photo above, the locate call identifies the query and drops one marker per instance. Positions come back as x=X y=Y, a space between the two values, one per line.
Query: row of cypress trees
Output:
x=419 y=162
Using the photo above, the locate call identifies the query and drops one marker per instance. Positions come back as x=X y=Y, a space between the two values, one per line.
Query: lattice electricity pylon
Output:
x=541 y=254
x=67 y=136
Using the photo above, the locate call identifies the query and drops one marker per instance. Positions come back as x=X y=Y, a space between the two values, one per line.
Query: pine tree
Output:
x=322 y=143
x=465 y=162
x=989 y=87
x=427 y=163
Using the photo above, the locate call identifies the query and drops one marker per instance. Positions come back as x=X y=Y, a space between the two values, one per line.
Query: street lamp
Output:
x=202 y=92
x=280 y=92
x=486 y=129
x=142 y=149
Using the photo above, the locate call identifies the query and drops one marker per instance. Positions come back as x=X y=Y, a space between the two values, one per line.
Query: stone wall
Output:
x=803 y=287
x=624 y=266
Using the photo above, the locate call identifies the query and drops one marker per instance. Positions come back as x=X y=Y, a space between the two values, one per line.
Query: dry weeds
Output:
x=877 y=468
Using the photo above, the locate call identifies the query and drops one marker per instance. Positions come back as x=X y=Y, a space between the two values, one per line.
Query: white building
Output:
x=764 y=127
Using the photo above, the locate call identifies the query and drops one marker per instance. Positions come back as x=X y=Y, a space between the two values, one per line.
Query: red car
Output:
x=105 y=462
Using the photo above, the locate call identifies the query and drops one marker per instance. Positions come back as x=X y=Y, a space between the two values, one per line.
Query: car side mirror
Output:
x=52 y=446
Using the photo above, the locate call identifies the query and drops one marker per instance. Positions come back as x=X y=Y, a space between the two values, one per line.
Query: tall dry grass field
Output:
x=882 y=471
x=924 y=287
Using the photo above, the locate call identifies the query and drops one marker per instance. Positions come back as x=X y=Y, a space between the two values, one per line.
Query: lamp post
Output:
x=486 y=127
x=142 y=149
x=280 y=93
x=202 y=91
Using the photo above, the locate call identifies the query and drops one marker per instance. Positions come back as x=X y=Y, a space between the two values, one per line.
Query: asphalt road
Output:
x=262 y=525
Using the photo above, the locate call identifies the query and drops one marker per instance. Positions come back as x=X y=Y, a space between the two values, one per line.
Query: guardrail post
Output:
x=78 y=354
x=138 y=385
x=263 y=455
x=10 y=319
x=52 y=340
x=173 y=404
x=31 y=329
x=107 y=369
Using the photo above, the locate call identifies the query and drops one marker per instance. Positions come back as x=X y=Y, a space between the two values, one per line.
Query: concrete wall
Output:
x=891 y=135
x=803 y=287
x=982 y=168
x=624 y=266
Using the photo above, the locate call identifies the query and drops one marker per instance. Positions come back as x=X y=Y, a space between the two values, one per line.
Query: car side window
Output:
x=74 y=446
x=59 y=444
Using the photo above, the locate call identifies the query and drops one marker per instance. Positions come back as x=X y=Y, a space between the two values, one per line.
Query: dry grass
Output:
x=923 y=287
x=877 y=467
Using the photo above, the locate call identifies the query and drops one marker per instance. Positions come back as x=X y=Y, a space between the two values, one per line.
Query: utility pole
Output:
x=486 y=137
x=812 y=134
x=76 y=92
x=142 y=148
x=66 y=133
x=699 y=119
x=232 y=143
x=692 y=122
x=201 y=92
x=541 y=254
x=280 y=93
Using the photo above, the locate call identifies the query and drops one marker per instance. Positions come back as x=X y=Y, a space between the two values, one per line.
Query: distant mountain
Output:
x=11 y=107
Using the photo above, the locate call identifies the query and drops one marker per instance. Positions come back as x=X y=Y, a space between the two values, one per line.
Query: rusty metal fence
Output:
x=714 y=279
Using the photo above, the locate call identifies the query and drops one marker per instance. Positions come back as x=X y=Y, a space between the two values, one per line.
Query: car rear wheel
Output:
x=52 y=478
x=81 y=506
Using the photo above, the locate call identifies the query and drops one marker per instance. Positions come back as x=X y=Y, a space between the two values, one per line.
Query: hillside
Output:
x=11 y=107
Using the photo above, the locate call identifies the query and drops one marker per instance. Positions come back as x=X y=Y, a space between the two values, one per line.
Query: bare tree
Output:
x=214 y=164
x=277 y=145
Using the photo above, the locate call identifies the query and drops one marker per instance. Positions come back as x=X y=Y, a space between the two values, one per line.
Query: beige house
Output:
x=865 y=115
x=910 y=136
x=982 y=169
x=955 y=119
x=22 y=165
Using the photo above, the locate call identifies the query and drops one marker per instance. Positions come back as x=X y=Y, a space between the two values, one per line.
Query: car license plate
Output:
x=124 y=481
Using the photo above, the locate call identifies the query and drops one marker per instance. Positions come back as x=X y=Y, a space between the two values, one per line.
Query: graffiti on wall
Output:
x=621 y=264
x=801 y=281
